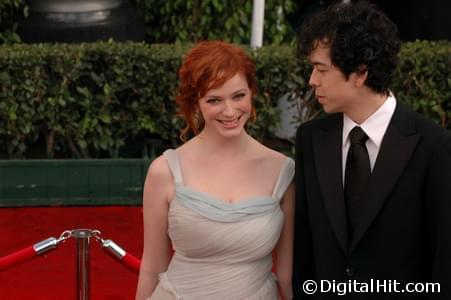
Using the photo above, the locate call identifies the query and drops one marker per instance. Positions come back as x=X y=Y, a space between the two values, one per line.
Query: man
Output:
x=373 y=178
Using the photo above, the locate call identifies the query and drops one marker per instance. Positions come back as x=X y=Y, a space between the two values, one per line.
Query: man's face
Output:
x=333 y=91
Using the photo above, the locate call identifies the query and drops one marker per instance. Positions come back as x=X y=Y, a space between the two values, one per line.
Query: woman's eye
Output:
x=213 y=100
x=239 y=96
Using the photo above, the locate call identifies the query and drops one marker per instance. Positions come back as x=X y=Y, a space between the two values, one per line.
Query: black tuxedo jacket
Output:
x=404 y=232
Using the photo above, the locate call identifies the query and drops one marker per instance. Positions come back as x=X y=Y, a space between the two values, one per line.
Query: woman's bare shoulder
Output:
x=159 y=183
x=159 y=169
x=267 y=154
x=189 y=150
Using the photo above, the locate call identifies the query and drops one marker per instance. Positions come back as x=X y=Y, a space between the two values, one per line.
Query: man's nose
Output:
x=313 y=80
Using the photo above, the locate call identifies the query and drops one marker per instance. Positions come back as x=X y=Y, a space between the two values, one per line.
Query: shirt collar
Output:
x=376 y=124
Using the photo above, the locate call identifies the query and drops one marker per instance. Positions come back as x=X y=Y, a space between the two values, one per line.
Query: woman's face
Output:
x=227 y=108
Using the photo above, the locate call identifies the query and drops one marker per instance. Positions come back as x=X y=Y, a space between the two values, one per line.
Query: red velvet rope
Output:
x=25 y=254
x=17 y=258
x=131 y=262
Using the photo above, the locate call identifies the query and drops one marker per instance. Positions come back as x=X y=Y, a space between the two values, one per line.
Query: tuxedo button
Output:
x=349 y=271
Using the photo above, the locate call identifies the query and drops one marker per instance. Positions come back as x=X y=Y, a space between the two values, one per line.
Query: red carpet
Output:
x=53 y=275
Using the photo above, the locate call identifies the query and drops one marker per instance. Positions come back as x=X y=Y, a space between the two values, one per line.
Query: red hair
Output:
x=207 y=66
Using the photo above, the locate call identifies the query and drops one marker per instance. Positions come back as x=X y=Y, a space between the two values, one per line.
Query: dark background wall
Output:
x=416 y=19
x=419 y=19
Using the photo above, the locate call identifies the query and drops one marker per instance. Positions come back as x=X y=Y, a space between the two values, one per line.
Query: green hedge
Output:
x=95 y=100
x=423 y=79
x=92 y=100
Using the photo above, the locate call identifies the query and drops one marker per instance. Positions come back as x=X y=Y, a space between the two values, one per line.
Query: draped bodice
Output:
x=222 y=250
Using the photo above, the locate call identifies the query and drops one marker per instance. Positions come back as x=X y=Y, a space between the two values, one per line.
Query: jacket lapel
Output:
x=327 y=146
x=396 y=149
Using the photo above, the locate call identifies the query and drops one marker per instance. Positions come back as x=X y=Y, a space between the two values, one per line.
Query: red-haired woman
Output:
x=222 y=200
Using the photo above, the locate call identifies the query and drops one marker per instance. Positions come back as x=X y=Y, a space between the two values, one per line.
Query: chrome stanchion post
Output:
x=83 y=262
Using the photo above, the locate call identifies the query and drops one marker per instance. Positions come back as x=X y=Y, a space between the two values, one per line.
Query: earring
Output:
x=198 y=121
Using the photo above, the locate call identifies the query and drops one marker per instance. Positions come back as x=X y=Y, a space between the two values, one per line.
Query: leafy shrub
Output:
x=229 y=20
x=9 y=11
x=89 y=100
x=95 y=100
x=423 y=79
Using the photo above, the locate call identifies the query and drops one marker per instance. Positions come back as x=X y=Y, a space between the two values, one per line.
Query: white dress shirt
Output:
x=374 y=127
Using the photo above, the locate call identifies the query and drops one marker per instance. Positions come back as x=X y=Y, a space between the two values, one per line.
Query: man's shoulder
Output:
x=327 y=121
x=424 y=125
x=432 y=135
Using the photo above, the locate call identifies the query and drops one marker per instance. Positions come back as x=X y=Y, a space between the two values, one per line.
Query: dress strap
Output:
x=174 y=165
x=285 y=178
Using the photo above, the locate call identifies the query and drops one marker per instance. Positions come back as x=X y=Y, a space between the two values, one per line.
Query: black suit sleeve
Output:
x=303 y=248
x=438 y=197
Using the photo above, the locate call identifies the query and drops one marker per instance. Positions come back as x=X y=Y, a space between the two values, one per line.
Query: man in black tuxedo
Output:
x=373 y=178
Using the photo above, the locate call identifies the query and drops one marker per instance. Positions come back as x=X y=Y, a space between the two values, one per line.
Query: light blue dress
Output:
x=222 y=250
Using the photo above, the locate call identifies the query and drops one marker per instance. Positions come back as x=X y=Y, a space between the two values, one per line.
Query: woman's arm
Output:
x=158 y=190
x=284 y=249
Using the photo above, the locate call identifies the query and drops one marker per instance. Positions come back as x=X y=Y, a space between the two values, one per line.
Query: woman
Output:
x=222 y=200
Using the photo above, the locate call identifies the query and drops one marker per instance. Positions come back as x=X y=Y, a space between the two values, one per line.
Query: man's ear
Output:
x=360 y=75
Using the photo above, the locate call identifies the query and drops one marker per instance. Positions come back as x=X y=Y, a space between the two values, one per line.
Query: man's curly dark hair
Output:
x=360 y=37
